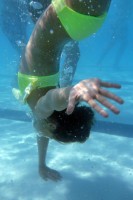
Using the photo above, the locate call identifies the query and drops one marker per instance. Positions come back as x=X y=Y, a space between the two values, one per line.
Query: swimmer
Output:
x=38 y=77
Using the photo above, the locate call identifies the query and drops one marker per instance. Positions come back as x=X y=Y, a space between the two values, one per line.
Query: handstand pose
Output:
x=55 y=110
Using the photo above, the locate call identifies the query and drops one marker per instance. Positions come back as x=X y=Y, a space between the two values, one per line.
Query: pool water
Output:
x=100 y=169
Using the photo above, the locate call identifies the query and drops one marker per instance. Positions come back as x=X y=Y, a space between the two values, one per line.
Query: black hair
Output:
x=75 y=127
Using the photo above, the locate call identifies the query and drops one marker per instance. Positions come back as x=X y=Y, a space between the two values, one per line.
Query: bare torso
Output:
x=42 y=53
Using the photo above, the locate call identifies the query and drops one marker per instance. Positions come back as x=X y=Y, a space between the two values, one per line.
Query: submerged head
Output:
x=67 y=128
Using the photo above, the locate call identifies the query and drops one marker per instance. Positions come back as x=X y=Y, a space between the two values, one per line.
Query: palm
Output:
x=92 y=92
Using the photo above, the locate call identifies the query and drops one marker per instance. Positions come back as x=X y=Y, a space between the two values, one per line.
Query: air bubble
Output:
x=51 y=31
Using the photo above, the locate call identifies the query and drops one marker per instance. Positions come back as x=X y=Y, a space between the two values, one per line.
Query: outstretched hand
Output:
x=92 y=92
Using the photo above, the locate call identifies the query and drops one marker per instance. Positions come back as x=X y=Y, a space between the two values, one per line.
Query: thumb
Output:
x=69 y=110
x=70 y=106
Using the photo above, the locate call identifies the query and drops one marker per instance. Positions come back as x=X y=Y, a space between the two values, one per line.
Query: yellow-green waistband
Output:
x=28 y=83
x=37 y=81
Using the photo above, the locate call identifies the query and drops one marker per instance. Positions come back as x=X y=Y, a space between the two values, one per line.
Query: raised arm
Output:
x=55 y=99
x=89 y=90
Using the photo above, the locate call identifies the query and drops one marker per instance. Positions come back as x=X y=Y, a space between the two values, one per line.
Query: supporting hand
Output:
x=91 y=91
x=49 y=174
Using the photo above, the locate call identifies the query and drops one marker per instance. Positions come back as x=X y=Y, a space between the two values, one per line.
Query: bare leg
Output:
x=72 y=55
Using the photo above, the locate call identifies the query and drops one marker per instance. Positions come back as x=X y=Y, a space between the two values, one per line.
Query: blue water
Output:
x=100 y=169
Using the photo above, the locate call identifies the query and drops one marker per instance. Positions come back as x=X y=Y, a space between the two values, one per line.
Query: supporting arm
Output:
x=44 y=171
